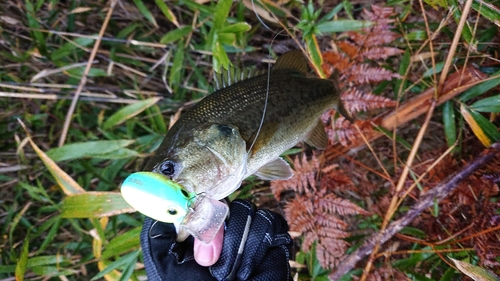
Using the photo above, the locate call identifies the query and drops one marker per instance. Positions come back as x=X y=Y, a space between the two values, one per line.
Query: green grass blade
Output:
x=315 y=54
x=47 y=240
x=484 y=130
x=487 y=10
x=176 y=70
x=489 y=128
x=156 y=118
x=121 y=153
x=167 y=12
x=482 y=88
x=128 y=270
x=95 y=205
x=475 y=272
x=491 y=104
x=236 y=28
x=123 y=243
x=68 y=185
x=86 y=149
x=403 y=69
x=176 y=34
x=46 y=260
x=69 y=48
x=35 y=26
x=22 y=261
x=128 y=112
x=145 y=12
x=450 y=127
x=342 y=25
x=125 y=260
x=467 y=33
x=221 y=13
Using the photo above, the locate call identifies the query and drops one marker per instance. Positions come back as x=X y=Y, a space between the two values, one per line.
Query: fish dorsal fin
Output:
x=227 y=77
x=317 y=137
x=294 y=60
x=275 y=170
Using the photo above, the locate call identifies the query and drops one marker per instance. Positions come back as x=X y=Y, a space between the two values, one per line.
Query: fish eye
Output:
x=172 y=211
x=167 y=168
x=185 y=193
x=225 y=130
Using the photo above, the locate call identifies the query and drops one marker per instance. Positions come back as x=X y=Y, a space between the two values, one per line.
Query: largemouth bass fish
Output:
x=237 y=131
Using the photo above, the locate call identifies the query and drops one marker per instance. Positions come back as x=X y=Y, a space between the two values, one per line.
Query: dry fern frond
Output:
x=365 y=74
x=380 y=53
x=329 y=251
x=321 y=225
x=331 y=204
x=344 y=132
x=303 y=180
x=316 y=212
x=357 y=60
x=356 y=100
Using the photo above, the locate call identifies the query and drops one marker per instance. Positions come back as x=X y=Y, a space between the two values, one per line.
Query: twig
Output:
x=428 y=199
x=454 y=44
x=72 y=107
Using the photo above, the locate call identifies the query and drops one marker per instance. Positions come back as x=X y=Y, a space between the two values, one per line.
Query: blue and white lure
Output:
x=164 y=200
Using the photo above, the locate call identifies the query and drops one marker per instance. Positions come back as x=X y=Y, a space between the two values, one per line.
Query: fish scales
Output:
x=208 y=145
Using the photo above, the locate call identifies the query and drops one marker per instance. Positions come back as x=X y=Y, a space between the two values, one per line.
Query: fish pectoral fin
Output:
x=275 y=170
x=317 y=137
x=293 y=60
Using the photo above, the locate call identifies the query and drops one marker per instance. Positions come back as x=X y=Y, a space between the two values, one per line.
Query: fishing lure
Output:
x=167 y=201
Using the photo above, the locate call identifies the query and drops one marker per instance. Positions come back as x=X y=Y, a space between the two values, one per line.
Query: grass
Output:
x=98 y=105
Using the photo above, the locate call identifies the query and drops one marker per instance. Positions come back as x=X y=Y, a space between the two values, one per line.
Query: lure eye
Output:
x=172 y=211
x=185 y=193
x=167 y=168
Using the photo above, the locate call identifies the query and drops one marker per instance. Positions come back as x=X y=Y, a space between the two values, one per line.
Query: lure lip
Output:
x=205 y=218
x=153 y=195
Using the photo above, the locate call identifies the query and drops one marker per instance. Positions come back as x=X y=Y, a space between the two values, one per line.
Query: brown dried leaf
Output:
x=350 y=49
x=334 y=60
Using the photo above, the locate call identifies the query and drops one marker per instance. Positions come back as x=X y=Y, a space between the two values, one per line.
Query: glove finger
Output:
x=240 y=217
x=274 y=266
x=166 y=259
x=269 y=230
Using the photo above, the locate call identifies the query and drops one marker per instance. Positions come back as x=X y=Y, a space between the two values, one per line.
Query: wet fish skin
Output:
x=208 y=148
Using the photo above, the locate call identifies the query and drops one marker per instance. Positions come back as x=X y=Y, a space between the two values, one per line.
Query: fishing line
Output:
x=268 y=75
x=258 y=17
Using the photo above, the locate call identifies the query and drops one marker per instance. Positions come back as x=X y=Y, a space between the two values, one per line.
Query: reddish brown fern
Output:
x=315 y=211
x=357 y=59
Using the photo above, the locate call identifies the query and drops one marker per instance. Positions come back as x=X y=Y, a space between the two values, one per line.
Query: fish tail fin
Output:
x=339 y=106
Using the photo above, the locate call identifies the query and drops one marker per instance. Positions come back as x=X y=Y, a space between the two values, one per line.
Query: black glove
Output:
x=264 y=256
